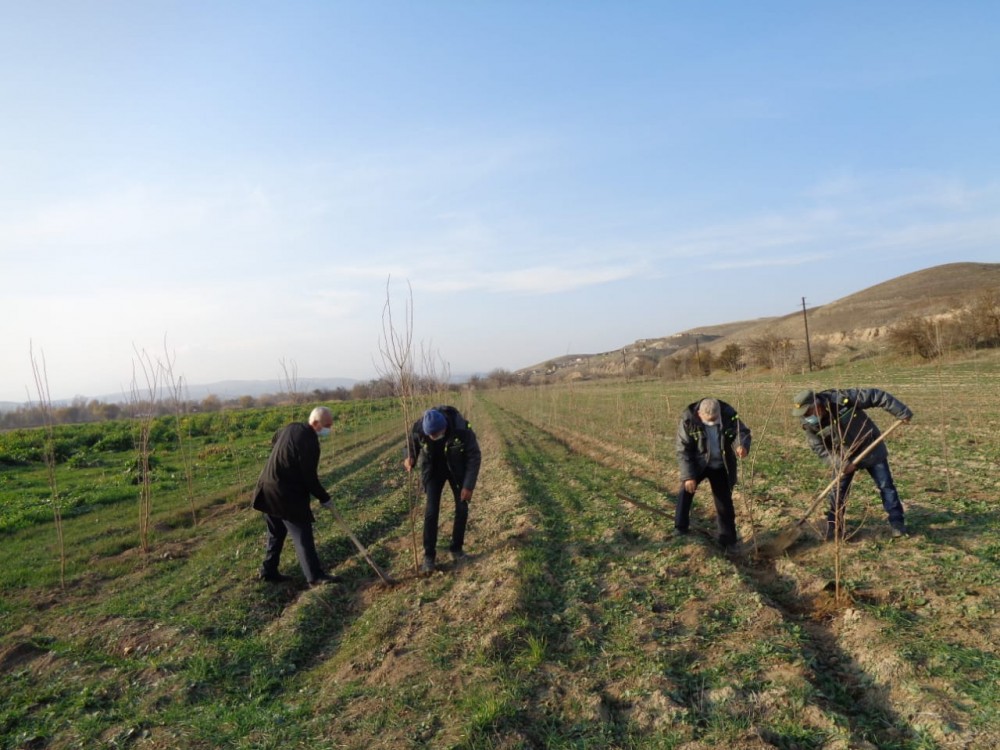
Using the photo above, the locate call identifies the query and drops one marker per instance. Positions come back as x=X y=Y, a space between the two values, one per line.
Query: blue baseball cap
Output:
x=434 y=422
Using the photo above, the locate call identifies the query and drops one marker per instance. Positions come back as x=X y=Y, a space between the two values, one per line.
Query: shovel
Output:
x=787 y=538
x=644 y=506
x=361 y=548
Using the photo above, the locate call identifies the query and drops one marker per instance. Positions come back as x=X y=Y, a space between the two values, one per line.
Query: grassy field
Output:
x=578 y=622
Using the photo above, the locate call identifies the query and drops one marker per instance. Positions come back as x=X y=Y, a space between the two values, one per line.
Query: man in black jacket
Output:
x=706 y=436
x=837 y=429
x=445 y=446
x=283 y=490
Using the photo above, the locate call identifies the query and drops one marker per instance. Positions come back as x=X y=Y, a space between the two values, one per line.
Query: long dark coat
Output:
x=290 y=475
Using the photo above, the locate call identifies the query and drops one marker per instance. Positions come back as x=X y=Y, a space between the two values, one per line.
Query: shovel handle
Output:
x=819 y=498
x=361 y=548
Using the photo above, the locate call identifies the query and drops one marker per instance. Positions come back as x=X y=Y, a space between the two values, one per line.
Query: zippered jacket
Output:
x=845 y=430
x=692 y=447
x=455 y=456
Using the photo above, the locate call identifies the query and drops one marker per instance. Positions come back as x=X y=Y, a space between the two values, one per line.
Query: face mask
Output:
x=435 y=439
x=812 y=421
x=324 y=432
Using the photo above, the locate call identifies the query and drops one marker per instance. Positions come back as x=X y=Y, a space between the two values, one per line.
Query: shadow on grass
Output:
x=544 y=634
x=841 y=683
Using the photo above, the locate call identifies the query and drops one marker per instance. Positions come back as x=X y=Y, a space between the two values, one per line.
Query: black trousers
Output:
x=302 y=538
x=722 y=493
x=434 y=487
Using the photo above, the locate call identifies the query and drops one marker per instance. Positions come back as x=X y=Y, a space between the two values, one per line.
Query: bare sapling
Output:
x=396 y=348
x=290 y=379
x=144 y=412
x=747 y=469
x=844 y=451
x=49 y=453
x=435 y=371
x=175 y=390
x=245 y=483
x=943 y=410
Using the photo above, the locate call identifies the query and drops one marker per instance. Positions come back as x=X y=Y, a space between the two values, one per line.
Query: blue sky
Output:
x=244 y=180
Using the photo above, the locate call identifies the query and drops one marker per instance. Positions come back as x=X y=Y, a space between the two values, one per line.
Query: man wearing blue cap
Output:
x=443 y=444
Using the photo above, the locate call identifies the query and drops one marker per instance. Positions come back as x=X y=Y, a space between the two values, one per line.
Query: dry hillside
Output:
x=851 y=321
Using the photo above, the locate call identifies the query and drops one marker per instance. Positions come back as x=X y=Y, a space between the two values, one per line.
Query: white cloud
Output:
x=545 y=279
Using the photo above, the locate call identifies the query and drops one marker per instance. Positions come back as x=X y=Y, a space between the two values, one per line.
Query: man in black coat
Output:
x=283 y=490
x=838 y=429
x=445 y=446
x=708 y=431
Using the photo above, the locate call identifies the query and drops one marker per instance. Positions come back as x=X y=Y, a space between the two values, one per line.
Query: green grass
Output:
x=578 y=623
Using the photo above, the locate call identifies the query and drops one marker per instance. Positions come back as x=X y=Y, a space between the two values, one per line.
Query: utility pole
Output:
x=809 y=355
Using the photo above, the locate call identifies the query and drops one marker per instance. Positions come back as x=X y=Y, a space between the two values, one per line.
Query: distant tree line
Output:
x=82 y=411
x=975 y=326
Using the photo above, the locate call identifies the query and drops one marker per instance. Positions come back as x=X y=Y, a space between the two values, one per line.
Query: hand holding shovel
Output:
x=787 y=538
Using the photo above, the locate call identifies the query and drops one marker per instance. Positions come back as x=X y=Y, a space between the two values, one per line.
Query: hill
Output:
x=849 y=323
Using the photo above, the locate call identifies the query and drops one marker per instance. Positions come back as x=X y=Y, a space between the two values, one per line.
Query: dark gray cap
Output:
x=803 y=401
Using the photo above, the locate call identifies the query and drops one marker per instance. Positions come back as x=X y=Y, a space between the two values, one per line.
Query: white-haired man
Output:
x=284 y=488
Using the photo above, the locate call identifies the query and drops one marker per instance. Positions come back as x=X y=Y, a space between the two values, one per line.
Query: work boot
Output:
x=458 y=557
x=274 y=577
x=324 y=579
x=898 y=530
x=427 y=567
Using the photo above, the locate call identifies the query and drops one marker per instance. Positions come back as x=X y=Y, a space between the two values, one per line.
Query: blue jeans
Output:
x=882 y=477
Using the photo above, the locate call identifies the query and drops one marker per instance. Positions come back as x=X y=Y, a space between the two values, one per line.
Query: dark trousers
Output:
x=302 y=538
x=722 y=493
x=434 y=488
x=882 y=477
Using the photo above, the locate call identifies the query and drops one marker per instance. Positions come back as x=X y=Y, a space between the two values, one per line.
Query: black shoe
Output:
x=898 y=531
x=680 y=532
x=275 y=577
x=458 y=557
x=427 y=567
x=324 y=579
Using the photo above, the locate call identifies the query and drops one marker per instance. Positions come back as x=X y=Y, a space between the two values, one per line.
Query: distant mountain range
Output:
x=224 y=390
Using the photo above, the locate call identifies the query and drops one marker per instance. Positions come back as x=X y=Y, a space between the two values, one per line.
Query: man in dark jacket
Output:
x=283 y=490
x=709 y=439
x=837 y=428
x=444 y=445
